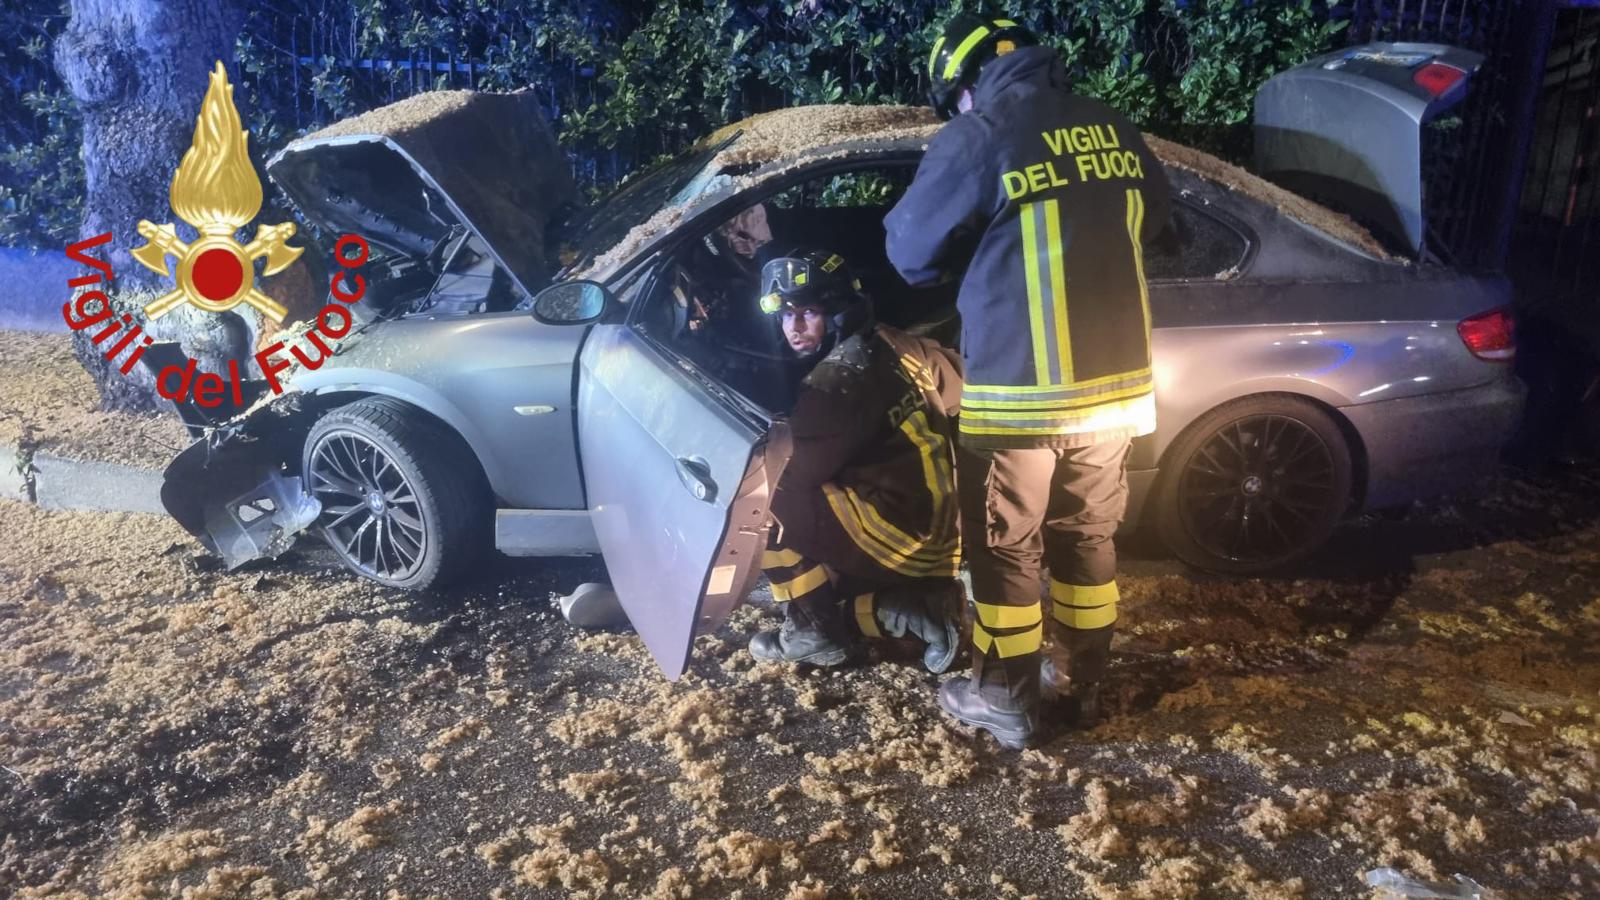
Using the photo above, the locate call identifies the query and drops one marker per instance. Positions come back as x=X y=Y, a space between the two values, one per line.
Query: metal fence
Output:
x=1473 y=157
x=1556 y=256
x=296 y=49
x=313 y=71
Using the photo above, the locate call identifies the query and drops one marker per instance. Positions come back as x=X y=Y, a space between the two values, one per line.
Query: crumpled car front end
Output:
x=231 y=489
x=455 y=192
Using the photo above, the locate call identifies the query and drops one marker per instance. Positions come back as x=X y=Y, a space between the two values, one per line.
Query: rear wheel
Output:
x=404 y=502
x=1254 y=485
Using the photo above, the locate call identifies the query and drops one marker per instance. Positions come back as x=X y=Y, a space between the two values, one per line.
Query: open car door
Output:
x=678 y=474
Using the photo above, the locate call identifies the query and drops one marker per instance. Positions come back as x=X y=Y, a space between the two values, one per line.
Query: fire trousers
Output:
x=814 y=564
x=1059 y=507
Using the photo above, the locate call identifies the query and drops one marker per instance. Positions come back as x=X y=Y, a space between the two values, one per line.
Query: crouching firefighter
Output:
x=1041 y=198
x=865 y=541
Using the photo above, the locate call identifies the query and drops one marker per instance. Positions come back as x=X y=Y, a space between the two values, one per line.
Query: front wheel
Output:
x=404 y=502
x=1254 y=485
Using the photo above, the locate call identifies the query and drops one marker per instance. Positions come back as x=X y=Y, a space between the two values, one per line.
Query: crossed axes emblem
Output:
x=216 y=190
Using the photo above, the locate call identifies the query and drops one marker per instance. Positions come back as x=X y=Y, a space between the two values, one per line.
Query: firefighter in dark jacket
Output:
x=866 y=540
x=1038 y=200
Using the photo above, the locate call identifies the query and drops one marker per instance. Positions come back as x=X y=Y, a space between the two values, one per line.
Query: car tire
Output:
x=1254 y=485
x=420 y=489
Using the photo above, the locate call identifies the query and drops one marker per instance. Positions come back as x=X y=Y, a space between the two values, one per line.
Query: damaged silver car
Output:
x=547 y=379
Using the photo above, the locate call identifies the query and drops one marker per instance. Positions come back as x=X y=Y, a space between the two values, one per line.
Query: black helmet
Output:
x=967 y=43
x=816 y=278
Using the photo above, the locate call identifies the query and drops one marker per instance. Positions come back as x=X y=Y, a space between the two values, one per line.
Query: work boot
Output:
x=804 y=637
x=1081 y=700
x=1073 y=669
x=1012 y=723
x=1053 y=681
x=1001 y=697
x=929 y=616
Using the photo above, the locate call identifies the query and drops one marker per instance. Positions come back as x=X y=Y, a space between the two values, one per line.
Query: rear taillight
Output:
x=1490 y=335
x=1438 y=78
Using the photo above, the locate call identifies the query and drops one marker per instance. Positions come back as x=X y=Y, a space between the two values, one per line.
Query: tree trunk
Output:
x=138 y=70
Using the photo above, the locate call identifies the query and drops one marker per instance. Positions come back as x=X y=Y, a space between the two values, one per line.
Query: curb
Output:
x=61 y=483
x=57 y=482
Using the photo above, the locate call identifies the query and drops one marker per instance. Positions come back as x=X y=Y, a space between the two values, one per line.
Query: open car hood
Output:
x=406 y=175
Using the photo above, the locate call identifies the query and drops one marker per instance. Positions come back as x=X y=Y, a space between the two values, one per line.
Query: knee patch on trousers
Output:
x=1084 y=606
x=1009 y=630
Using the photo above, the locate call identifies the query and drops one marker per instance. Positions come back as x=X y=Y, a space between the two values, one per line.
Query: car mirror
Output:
x=571 y=303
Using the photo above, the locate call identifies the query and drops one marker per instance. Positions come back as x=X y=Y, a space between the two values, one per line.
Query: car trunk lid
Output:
x=1346 y=128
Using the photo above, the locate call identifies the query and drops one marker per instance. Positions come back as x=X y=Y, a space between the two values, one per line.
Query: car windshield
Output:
x=599 y=227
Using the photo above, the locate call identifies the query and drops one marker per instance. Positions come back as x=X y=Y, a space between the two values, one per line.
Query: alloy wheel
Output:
x=370 y=512
x=1258 y=488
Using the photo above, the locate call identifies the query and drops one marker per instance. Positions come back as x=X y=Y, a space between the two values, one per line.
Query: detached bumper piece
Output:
x=262 y=522
x=229 y=488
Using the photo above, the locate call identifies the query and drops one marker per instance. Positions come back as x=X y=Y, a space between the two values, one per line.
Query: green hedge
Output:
x=41 y=175
x=631 y=85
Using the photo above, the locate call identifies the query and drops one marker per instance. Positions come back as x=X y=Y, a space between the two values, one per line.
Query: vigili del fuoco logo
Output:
x=215 y=190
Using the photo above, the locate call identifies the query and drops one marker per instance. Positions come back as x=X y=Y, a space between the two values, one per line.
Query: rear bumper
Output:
x=1416 y=447
x=1419 y=447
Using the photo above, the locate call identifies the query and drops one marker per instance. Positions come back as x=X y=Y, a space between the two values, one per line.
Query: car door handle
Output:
x=695 y=473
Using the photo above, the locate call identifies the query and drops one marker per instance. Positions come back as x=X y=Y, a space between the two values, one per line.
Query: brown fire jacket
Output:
x=873 y=430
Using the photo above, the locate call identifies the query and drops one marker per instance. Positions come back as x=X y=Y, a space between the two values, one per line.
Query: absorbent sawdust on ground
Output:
x=1423 y=696
x=49 y=403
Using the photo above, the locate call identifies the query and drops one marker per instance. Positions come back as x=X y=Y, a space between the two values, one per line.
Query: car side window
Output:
x=877 y=187
x=704 y=299
x=1198 y=245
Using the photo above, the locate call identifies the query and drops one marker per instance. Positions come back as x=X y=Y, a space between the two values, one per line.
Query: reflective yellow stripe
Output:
x=961 y=51
x=866 y=518
x=890 y=546
x=908 y=557
x=866 y=618
x=1030 y=263
x=1045 y=388
x=1086 y=617
x=1135 y=228
x=1080 y=595
x=919 y=373
x=1081 y=606
x=1138 y=413
x=1008 y=645
x=1004 y=23
x=933 y=58
x=800 y=585
x=930 y=476
x=1058 y=286
x=857 y=513
x=1063 y=405
x=937 y=473
x=772 y=559
x=1027 y=409
x=996 y=615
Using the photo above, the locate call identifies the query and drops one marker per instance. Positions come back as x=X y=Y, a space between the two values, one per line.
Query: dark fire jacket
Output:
x=1042 y=197
x=873 y=432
